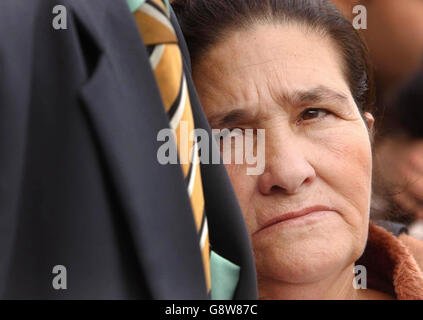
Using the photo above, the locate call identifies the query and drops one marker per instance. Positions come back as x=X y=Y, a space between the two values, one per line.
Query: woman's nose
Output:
x=287 y=168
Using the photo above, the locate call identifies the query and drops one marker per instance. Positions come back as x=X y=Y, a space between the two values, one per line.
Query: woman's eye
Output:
x=311 y=114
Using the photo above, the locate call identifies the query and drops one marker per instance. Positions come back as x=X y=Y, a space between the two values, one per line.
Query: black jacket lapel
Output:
x=124 y=107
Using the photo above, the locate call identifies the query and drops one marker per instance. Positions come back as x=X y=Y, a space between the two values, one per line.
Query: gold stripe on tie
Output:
x=168 y=73
x=160 y=38
x=153 y=31
x=184 y=126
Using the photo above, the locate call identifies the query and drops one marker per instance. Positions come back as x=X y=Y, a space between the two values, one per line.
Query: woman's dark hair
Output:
x=207 y=22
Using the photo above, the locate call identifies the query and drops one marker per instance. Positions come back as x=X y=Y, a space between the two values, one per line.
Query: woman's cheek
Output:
x=345 y=147
x=346 y=166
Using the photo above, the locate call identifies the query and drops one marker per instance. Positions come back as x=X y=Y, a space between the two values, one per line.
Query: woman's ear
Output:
x=370 y=121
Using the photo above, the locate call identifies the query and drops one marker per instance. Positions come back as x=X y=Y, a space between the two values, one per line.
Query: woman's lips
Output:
x=292 y=215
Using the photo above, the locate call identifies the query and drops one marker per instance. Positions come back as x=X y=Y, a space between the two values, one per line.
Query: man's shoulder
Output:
x=21 y=21
x=21 y=13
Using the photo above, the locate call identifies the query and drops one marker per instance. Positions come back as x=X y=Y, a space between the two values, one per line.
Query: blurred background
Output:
x=394 y=36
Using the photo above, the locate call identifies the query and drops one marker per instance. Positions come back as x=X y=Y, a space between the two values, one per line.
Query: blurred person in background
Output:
x=407 y=108
x=394 y=36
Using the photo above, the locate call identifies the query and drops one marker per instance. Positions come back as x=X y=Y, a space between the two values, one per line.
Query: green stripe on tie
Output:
x=166 y=2
x=134 y=4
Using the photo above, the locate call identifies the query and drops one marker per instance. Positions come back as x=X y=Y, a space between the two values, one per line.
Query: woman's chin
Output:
x=305 y=253
x=304 y=267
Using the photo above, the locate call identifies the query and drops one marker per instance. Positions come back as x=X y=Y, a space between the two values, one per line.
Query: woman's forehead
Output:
x=273 y=56
x=267 y=42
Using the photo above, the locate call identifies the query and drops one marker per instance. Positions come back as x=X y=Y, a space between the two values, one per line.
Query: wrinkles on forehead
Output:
x=272 y=62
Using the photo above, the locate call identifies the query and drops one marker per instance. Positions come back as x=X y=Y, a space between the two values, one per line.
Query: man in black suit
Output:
x=80 y=184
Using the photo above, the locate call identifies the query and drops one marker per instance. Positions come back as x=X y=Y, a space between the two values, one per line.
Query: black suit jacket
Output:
x=80 y=184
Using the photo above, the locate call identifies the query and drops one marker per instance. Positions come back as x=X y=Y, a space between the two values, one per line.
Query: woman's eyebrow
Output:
x=296 y=98
x=226 y=119
x=314 y=95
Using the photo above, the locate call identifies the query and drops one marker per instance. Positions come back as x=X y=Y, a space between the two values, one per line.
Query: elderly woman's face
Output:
x=307 y=213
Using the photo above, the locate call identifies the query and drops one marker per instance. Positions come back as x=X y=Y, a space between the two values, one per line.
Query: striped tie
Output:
x=161 y=41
